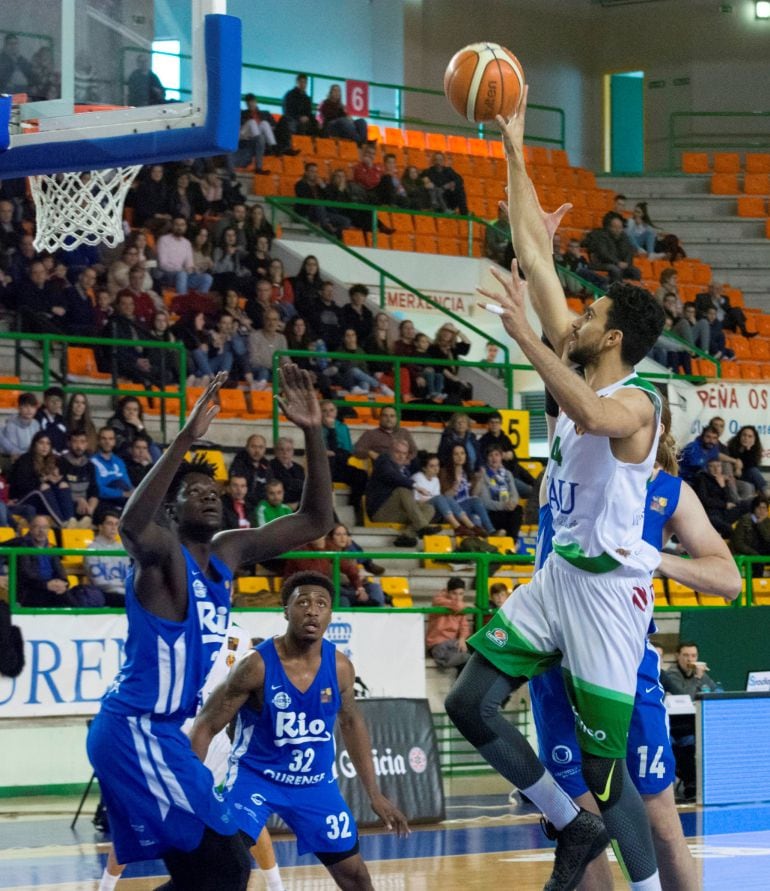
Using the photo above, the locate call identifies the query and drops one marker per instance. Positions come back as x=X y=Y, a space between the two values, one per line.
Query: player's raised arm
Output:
x=315 y=514
x=532 y=233
x=711 y=568
x=359 y=746
x=144 y=538
x=246 y=678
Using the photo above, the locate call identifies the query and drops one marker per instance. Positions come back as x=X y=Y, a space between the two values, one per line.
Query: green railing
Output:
x=457 y=756
x=47 y=342
x=742 y=130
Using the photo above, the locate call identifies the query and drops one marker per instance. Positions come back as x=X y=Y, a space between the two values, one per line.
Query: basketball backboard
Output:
x=108 y=83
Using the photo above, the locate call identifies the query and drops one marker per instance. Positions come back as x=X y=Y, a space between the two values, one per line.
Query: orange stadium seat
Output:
x=303 y=144
x=402 y=241
x=81 y=362
x=763 y=325
x=767 y=228
x=751 y=205
x=750 y=371
x=347 y=150
x=426 y=244
x=477 y=147
x=326 y=148
x=394 y=136
x=424 y=225
x=414 y=139
x=457 y=145
x=374 y=133
x=353 y=238
x=436 y=142
x=739 y=344
x=695 y=162
x=727 y=162
x=452 y=247
x=760 y=349
x=447 y=227
x=731 y=371
x=756 y=184
x=757 y=162
x=724 y=184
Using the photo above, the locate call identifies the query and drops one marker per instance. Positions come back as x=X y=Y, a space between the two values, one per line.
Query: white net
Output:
x=80 y=208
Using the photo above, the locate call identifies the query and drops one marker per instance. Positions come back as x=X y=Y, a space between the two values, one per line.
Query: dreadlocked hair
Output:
x=199 y=464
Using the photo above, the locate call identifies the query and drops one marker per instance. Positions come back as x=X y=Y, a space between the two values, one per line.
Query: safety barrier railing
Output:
x=742 y=130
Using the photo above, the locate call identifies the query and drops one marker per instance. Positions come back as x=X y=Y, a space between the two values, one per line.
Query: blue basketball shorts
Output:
x=649 y=757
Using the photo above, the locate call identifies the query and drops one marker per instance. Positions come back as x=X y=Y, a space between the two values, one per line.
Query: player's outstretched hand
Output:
x=513 y=128
x=551 y=221
x=390 y=815
x=298 y=400
x=512 y=301
x=205 y=409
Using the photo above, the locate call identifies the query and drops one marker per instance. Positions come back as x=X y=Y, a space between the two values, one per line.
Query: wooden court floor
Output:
x=484 y=843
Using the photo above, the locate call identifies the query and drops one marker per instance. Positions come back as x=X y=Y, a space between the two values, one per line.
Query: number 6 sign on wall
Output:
x=357 y=92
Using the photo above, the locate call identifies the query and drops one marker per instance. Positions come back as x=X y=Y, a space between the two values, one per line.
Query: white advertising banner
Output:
x=692 y=407
x=71 y=659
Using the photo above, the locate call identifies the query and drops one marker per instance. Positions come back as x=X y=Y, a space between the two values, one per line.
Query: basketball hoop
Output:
x=80 y=208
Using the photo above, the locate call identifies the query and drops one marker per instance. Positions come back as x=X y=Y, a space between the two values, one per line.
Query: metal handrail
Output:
x=759 y=140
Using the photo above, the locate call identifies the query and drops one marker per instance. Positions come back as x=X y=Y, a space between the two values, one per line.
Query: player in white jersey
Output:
x=589 y=607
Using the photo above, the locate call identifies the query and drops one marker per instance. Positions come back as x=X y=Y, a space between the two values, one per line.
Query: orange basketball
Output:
x=484 y=80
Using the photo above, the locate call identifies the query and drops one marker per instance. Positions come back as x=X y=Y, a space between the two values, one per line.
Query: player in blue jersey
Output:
x=287 y=695
x=159 y=795
x=671 y=509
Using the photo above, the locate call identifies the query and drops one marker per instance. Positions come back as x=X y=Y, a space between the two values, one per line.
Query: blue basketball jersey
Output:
x=291 y=740
x=168 y=662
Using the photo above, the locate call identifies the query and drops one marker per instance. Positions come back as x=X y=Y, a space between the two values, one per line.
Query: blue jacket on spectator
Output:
x=111 y=477
x=695 y=456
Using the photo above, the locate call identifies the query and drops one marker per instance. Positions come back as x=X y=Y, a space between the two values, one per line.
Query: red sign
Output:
x=357 y=92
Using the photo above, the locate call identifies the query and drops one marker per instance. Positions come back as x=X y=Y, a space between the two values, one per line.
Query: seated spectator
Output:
x=497 y=240
x=311 y=186
x=667 y=350
x=299 y=337
x=457 y=480
x=112 y=479
x=642 y=232
x=260 y=259
x=325 y=319
x=699 y=331
x=717 y=342
x=447 y=634
x=19 y=430
x=226 y=339
x=610 y=250
x=272 y=506
x=421 y=194
x=306 y=285
x=338 y=450
x=356 y=314
x=250 y=463
x=370 y=176
x=352 y=547
x=341 y=190
x=750 y=536
x=11 y=232
x=449 y=182
x=77 y=419
x=139 y=460
x=230 y=265
x=373 y=443
x=353 y=374
x=698 y=452
x=186 y=199
x=80 y=475
x=427 y=382
x=215 y=195
x=143 y=85
x=20 y=265
x=79 y=316
x=450 y=344
x=378 y=344
x=262 y=345
x=104 y=311
x=36 y=481
x=297 y=109
x=355 y=590
x=164 y=363
x=237 y=220
x=458 y=432
x=413 y=381
x=132 y=362
x=203 y=250
x=574 y=260
x=237 y=510
x=146 y=301
x=718 y=497
x=255 y=136
x=283 y=293
x=257 y=306
x=40 y=304
x=427 y=480
x=128 y=423
x=41 y=580
x=498 y=594
x=51 y=420
x=284 y=468
x=398 y=194
x=335 y=120
x=175 y=261
x=390 y=497
x=151 y=199
x=495 y=437
x=731 y=318
x=108 y=574
x=496 y=488
x=46 y=82
x=257 y=224
x=16 y=73
x=192 y=332
x=746 y=447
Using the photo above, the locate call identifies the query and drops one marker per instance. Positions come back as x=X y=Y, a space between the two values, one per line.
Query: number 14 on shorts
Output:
x=657 y=767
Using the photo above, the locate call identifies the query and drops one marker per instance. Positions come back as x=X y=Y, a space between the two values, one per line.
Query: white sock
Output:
x=552 y=800
x=273 y=878
x=108 y=881
x=650 y=884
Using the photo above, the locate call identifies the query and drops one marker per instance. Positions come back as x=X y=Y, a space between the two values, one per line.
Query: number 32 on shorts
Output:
x=657 y=767
x=339 y=826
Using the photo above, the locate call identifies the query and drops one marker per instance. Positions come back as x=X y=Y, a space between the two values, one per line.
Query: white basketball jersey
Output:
x=596 y=500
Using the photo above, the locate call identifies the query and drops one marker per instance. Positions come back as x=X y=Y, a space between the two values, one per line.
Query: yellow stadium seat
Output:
x=368 y=522
x=760 y=591
x=659 y=589
x=681 y=595
x=711 y=600
x=73 y=580
x=437 y=544
x=75 y=538
x=7 y=533
x=397 y=588
x=251 y=584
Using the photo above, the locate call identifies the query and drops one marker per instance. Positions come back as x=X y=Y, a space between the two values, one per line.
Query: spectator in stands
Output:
x=335 y=120
x=151 y=199
x=447 y=634
x=421 y=194
x=732 y=318
x=20 y=266
x=495 y=437
x=282 y=297
x=36 y=480
x=717 y=342
x=128 y=423
x=164 y=363
x=339 y=449
x=46 y=83
x=574 y=260
x=449 y=182
x=458 y=481
x=284 y=468
x=259 y=259
x=667 y=350
x=186 y=199
x=390 y=496
x=311 y=186
x=147 y=255
x=131 y=362
x=40 y=303
x=272 y=506
x=16 y=73
x=19 y=430
x=146 y=301
x=450 y=344
x=260 y=303
x=700 y=332
x=378 y=344
x=144 y=86
x=112 y=478
x=237 y=220
x=108 y=574
x=427 y=382
x=496 y=488
x=232 y=305
x=746 y=447
x=370 y=176
x=237 y=510
x=399 y=196
x=458 y=432
x=298 y=337
x=77 y=419
x=11 y=232
x=230 y=265
x=250 y=463
x=426 y=479
x=497 y=239
x=610 y=250
x=750 y=536
x=80 y=475
x=698 y=452
x=298 y=109
x=355 y=589
x=212 y=188
x=341 y=190
x=225 y=338
x=257 y=224
x=356 y=314
x=353 y=373
x=49 y=416
x=139 y=460
x=262 y=345
x=642 y=233
x=373 y=443
x=718 y=497
x=325 y=319
x=41 y=580
x=306 y=285
x=175 y=261
x=79 y=316
x=254 y=137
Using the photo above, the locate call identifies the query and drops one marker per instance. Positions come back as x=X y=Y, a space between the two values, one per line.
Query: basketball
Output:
x=483 y=80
